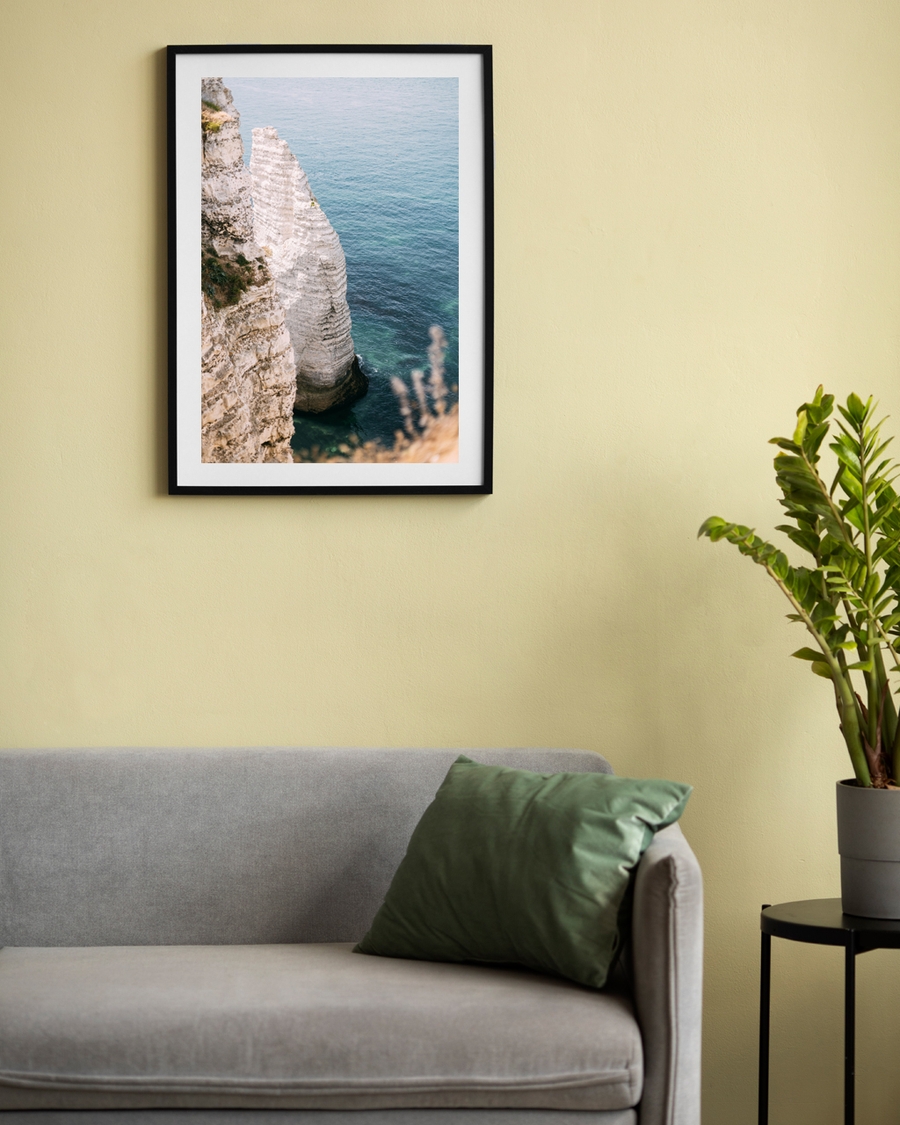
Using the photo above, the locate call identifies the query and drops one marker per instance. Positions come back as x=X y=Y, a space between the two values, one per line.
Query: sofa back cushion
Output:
x=227 y=846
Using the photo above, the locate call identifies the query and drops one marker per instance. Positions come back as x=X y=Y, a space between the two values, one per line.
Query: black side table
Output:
x=821 y=922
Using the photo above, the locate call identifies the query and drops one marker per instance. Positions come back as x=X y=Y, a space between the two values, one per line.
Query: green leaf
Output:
x=852 y=486
x=808 y=654
x=847 y=456
x=820 y=407
x=803 y=537
x=787 y=462
x=785 y=443
x=780 y=565
x=823 y=613
x=799 y=583
x=884 y=548
x=830 y=544
x=857 y=410
x=821 y=669
x=714 y=523
x=815 y=437
x=852 y=513
x=878 y=452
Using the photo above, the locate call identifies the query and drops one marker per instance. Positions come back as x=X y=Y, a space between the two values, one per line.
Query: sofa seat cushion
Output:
x=303 y=1026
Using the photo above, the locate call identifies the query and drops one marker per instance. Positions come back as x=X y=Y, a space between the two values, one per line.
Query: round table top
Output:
x=822 y=922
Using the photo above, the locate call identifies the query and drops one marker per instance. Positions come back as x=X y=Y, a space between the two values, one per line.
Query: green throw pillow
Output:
x=513 y=867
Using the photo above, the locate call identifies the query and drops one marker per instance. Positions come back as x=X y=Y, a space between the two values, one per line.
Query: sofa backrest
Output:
x=214 y=847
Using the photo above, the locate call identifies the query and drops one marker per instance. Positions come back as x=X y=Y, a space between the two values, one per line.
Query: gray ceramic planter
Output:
x=869 y=843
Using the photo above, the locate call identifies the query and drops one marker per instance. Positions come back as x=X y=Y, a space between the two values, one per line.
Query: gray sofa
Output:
x=177 y=930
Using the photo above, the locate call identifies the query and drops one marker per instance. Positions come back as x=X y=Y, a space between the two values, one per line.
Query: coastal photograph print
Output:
x=330 y=269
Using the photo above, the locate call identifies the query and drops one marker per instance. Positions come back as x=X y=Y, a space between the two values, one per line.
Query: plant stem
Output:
x=873 y=687
x=846 y=699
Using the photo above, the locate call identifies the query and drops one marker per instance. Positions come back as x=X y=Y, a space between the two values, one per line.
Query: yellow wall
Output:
x=698 y=220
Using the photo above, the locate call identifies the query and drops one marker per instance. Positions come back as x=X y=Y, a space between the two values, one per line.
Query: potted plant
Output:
x=849 y=601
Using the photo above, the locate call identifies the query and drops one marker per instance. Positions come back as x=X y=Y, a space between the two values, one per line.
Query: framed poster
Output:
x=330 y=269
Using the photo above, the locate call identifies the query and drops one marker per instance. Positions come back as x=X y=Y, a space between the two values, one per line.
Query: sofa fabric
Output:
x=210 y=847
x=667 y=959
x=313 y=1026
x=322 y=1117
x=178 y=927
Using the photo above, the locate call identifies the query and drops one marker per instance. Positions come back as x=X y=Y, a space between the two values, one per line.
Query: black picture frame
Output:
x=227 y=420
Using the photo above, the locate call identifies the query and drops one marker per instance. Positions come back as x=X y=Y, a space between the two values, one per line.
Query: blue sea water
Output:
x=382 y=158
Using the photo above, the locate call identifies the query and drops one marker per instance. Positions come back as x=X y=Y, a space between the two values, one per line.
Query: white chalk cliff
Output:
x=304 y=256
x=247 y=362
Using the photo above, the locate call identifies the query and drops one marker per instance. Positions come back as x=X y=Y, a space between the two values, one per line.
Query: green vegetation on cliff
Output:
x=224 y=279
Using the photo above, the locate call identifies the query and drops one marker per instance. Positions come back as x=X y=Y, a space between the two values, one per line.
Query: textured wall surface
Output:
x=698 y=220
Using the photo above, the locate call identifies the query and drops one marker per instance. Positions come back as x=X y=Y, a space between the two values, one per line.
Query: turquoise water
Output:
x=382 y=158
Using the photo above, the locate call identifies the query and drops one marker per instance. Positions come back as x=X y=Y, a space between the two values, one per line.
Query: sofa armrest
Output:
x=667 y=950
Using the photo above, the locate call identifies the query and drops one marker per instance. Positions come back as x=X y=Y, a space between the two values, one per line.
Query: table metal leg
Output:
x=765 y=972
x=849 y=1026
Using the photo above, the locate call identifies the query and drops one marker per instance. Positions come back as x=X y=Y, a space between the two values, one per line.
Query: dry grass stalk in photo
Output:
x=430 y=433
